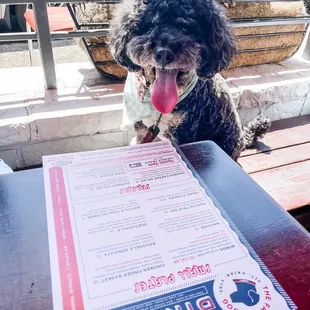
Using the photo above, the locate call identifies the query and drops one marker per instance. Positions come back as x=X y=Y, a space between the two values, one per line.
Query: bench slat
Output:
x=288 y=185
x=276 y=158
x=284 y=133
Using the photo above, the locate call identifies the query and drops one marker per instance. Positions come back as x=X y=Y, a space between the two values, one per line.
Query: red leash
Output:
x=152 y=132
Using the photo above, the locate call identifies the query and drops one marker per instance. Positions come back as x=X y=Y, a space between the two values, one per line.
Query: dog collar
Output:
x=137 y=99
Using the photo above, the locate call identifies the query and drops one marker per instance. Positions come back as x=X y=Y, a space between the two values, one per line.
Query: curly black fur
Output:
x=199 y=37
x=307 y=6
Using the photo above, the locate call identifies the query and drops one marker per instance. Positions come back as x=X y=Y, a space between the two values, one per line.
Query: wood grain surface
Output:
x=281 y=162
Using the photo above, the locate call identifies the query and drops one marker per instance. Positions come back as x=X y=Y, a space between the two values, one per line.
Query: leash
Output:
x=152 y=131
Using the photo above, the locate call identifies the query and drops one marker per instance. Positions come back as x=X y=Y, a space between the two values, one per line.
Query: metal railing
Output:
x=44 y=36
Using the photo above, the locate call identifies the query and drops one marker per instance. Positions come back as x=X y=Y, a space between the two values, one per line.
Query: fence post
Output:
x=45 y=43
x=306 y=45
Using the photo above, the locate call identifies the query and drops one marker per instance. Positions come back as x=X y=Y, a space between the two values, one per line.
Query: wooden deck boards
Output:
x=281 y=162
x=289 y=185
x=276 y=158
x=297 y=131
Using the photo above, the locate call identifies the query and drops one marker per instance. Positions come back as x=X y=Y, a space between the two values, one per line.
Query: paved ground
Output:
x=16 y=54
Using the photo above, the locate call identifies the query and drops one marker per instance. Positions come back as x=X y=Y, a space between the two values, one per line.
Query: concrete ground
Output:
x=16 y=54
x=85 y=112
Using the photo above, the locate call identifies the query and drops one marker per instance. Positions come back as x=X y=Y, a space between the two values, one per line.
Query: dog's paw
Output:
x=138 y=126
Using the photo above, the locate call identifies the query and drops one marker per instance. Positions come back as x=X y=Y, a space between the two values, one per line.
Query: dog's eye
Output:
x=145 y=1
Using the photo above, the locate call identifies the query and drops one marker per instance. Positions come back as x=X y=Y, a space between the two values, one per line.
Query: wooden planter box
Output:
x=255 y=45
x=96 y=46
x=267 y=44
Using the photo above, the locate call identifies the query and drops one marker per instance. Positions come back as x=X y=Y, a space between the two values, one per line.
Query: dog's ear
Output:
x=121 y=31
x=218 y=46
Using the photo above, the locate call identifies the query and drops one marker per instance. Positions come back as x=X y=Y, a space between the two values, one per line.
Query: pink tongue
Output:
x=164 y=93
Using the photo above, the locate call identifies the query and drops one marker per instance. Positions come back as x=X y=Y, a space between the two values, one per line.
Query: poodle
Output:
x=173 y=51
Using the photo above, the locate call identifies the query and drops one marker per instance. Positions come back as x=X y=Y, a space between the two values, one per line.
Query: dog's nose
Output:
x=164 y=56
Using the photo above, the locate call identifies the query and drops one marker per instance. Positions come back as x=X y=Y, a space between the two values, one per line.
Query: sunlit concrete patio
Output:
x=85 y=112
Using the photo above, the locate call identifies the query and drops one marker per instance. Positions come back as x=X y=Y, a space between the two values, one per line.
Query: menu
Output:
x=135 y=228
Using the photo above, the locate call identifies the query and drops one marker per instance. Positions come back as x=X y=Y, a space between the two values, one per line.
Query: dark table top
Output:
x=282 y=244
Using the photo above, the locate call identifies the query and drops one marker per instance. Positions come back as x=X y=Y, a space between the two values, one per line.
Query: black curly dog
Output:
x=168 y=39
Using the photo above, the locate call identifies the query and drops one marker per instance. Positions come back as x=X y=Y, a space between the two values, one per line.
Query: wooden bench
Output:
x=281 y=164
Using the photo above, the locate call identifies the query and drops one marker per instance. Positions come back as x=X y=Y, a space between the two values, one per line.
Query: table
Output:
x=282 y=244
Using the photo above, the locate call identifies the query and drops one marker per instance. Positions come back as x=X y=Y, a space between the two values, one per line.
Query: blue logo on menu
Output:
x=246 y=293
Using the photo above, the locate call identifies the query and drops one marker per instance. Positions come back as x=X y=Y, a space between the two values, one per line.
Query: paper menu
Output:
x=132 y=228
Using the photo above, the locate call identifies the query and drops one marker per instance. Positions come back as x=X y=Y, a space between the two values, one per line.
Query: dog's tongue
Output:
x=164 y=93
